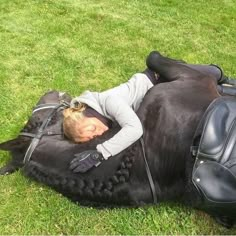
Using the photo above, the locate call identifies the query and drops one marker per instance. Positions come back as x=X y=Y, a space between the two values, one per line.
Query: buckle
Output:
x=64 y=103
x=194 y=150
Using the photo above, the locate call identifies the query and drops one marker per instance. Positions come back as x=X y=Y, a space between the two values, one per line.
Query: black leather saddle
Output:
x=214 y=147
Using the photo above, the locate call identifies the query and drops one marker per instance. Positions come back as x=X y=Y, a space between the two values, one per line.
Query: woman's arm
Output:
x=131 y=127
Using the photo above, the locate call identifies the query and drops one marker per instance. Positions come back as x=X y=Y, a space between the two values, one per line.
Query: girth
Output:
x=149 y=175
x=37 y=137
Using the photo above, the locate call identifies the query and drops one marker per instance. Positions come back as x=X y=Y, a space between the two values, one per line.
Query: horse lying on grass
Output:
x=170 y=113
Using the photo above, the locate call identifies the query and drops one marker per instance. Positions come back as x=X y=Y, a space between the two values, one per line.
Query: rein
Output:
x=37 y=137
x=149 y=175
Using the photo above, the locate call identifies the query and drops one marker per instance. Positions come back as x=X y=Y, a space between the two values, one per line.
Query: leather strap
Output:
x=37 y=137
x=44 y=106
x=149 y=175
x=27 y=134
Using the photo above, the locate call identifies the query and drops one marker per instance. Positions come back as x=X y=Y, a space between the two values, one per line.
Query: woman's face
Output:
x=89 y=128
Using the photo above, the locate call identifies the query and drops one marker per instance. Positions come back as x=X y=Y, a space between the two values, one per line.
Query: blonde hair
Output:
x=71 y=118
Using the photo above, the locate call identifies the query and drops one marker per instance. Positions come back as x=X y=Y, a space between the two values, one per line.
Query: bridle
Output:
x=37 y=137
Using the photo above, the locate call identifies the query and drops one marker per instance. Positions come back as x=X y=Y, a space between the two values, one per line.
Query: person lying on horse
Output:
x=92 y=113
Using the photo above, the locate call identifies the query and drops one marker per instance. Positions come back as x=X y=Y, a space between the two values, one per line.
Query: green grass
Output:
x=74 y=45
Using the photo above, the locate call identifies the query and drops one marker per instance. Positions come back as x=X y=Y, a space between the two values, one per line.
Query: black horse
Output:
x=170 y=113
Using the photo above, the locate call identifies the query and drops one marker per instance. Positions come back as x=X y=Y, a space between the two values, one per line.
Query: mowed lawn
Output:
x=74 y=45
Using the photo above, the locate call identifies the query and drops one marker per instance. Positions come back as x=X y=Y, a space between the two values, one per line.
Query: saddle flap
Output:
x=216 y=182
x=219 y=123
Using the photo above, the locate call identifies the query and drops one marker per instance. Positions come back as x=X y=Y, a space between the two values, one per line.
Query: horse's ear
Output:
x=14 y=144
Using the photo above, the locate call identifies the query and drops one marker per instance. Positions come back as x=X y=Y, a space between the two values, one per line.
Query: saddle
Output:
x=214 y=150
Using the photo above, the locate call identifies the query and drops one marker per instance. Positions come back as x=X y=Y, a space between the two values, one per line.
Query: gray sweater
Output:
x=119 y=104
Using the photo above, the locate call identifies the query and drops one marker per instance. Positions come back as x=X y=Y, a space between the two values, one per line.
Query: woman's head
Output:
x=80 y=128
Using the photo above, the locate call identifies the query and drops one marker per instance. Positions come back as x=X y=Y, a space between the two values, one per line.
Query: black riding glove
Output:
x=86 y=160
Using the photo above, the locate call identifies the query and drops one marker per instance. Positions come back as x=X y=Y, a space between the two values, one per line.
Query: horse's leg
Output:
x=155 y=60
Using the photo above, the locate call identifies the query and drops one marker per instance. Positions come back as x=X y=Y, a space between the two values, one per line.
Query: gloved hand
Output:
x=86 y=160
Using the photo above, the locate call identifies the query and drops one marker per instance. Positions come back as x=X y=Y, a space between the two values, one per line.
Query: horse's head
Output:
x=53 y=151
x=20 y=144
x=43 y=108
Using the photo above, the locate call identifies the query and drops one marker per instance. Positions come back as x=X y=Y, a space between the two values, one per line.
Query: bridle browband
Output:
x=37 y=137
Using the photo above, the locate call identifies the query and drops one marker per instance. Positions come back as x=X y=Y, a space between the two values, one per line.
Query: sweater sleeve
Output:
x=131 y=127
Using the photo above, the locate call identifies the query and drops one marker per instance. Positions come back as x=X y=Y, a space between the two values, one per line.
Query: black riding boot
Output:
x=155 y=59
x=153 y=76
x=215 y=71
x=170 y=69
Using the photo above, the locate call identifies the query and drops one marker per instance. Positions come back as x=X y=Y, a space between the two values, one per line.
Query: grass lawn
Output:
x=73 y=45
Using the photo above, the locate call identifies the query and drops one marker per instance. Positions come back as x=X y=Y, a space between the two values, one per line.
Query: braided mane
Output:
x=83 y=189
